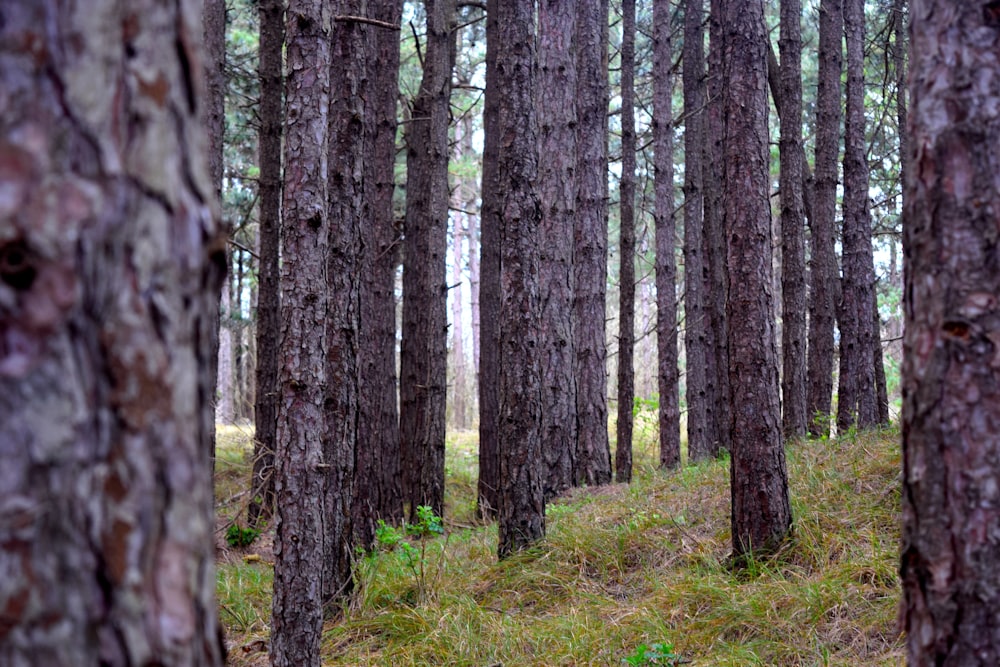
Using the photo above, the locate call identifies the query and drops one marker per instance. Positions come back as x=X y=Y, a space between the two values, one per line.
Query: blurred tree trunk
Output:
x=823 y=272
x=111 y=261
x=272 y=38
x=557 y=192
x=522 y=501
x=666 y=270
x=793 y=262
x=424 y=354
x=590 y=252
x=301 y=465
x=951 y=448
x=377 y=491
x=761 y=514
x=626 y=245
x=856 y=398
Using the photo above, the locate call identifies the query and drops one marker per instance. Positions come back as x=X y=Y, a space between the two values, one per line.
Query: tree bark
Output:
x=424 y=352
x=823 y=272
x=111 y=259
x=761 y=514
x=856 y=399
x=793 y=263
x=377 y=492
x=951 y=449
x=301 y=465
x=666 y=270
x=557 y=192
x=626 y=246
x=590 y=252
x=522 y=502
x=697 y=340
x=272 y=38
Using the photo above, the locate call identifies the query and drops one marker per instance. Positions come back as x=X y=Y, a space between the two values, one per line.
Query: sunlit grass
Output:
x=622 y=566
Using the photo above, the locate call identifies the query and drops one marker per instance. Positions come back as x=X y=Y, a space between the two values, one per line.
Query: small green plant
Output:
x=390 y=538
x=658 y=655
x=238 y=536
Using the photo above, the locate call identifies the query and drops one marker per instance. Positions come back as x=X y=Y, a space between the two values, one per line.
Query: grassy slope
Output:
x=621 y=566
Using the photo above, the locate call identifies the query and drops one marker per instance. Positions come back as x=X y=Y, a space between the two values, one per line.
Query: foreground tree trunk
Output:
x=666 y=270
x=557 y=190
x=590 y=254
x=823 y=274
x=111 y=259
x=301 y=466
x=424 y=353
x=761 y=514
x=272 y=39
x=951 y=448
x=626 y=245
x=522 y=502
x=793 y=262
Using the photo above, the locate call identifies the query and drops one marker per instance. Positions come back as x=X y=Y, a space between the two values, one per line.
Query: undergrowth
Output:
x=624 y=568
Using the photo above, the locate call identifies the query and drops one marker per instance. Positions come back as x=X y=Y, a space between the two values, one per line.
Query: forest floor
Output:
x=621 y=568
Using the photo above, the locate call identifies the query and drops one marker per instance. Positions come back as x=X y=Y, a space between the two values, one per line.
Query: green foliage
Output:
x=238 y=536
x=392 y=539
x=657 y=654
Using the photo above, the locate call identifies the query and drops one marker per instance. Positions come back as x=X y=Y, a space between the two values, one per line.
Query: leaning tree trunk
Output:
x=626 y=254
x=590 y=254
x=761 y=514
x=522 y=502
x=557 y=191
x=272 y=39
x=424 y=352
x=666 y=270
x=111 y=259
x=950 y=567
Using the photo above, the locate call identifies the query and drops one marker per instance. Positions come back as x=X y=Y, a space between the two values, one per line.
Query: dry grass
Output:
x=622 y=566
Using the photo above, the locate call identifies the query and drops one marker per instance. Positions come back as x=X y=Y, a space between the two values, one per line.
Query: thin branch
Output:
x=364 y=19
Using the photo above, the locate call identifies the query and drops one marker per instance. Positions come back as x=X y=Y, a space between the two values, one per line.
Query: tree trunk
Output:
x=761 y=514
x=697 y=342
x=557 y=191
x=377 y=492
x=522 y=502
x=111 y=260
x=856 y=399
x=626 y=245
x=823 y=273
x=272 y=38
x=424 y=352
x=666 y=270
x=590 y=252
x=793 y=263
x=301 y=466
x=225 y=412
x=457 y=362
x=488 y=485
x=951 y=448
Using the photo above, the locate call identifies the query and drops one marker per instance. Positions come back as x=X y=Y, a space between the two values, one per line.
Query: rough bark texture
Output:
x=823 y=272
x=951 y=452
x=272 y=38
x=301 y=467
x=666 y=270
x=590 y=253
x=557 y=192
x=856 y=399
x=377 y=491
x=424 y=352
x=111 y=258
x=522 y=502
x=761 y=514
x=626 y=247
x=697 y=341
x=793 y=263
x=714 y=244
x=488 y=485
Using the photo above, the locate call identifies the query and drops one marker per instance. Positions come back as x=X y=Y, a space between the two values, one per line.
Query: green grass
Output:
x=624 y=566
